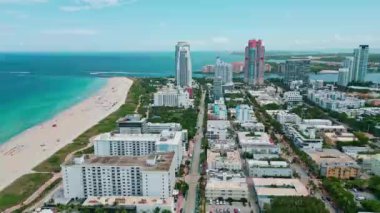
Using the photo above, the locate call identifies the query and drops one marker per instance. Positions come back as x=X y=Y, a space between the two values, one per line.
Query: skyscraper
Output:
x=183 y=75
x=296 y=70
x=348 y=63
x=360 y=64
x=254 y=62
x=224 y=71
x=217 y=88
x=343 y=76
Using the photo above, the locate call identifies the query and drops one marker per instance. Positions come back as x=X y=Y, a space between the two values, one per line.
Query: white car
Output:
x=360 y=198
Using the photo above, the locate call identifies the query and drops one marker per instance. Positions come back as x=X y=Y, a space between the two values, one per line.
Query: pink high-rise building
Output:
x=254 y=62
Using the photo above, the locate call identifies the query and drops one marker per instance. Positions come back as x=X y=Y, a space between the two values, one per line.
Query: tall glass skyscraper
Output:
x=360 y=64
x=254 y=63
x=183 y=75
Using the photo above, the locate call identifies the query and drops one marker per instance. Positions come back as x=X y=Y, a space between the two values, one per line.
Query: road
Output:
x=193 y=177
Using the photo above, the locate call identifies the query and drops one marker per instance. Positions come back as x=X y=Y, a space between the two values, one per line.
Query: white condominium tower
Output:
x=360 y=64
x=183 y=75
x=113 y=144
x=91 y=175
x=224 y=71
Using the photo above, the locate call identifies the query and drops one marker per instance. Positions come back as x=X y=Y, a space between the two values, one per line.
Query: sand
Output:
x=22 y=153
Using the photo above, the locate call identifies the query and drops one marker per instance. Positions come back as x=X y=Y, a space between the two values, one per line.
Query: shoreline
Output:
x=20 y=154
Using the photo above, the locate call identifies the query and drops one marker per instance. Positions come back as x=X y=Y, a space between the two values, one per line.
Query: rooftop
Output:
x=259 y=138
x=163 y=161
x=127 y=201
x=238 y=184
x=329 y=156
x=279 y=187
x=233 y=157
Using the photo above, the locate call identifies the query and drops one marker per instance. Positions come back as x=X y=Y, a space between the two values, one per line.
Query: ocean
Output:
x=36 y=86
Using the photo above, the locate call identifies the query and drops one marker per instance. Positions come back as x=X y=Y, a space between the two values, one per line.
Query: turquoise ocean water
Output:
x=36 y=86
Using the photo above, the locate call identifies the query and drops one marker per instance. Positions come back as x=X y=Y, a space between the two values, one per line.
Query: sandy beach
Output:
x=23 y=152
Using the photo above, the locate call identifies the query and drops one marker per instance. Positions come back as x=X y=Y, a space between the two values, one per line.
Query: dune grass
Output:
x=21 y=189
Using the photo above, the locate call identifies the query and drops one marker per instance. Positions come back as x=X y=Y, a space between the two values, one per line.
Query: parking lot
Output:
x=227 y=208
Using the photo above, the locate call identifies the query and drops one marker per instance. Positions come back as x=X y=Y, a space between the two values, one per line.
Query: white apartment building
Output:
x=305 y=138
x=217 y=129
x=314 y=122
x=111 y=144
x=292 y=97
x=353 y=151
x=244 y=113
x=172 y=97
x=264 y=168
x=334 y=100
x=235 y=189
x=230 y=161
x=91 y=175
x=183 y=67
x=223 y=70
x=284 y=117
x=136 y=124
x=259 y=144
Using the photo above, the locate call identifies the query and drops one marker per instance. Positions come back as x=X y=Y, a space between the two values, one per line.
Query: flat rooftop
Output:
x=126 y=137
x=163 y=161
x=260 y=138
x=329 y=156
x=232 y=156
x=279 y=187
x=237 y=184
x=220 y=124
x=127 y=201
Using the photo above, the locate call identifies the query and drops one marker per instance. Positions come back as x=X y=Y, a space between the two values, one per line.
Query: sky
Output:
x=156 y=25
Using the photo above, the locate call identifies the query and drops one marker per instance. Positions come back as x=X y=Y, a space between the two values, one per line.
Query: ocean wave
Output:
x=19 y=72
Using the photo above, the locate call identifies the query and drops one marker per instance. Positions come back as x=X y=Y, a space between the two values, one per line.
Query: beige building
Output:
x=229 y=160
x=235 y=189
x=333 y=163
x=332 y=137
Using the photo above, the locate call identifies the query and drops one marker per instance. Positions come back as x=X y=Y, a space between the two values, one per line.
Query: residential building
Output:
x=131 y=124
x=292 y=97
x=133 y=203
x=333 y=163
x=223 y=70
x=265 y=168
x=227 y=161
x=334 y=100
x=217 y=89
x=91 y=175
x=111 y=144
x=172 y=97
x=267 y=188
x=183 y=67
x=360 y=64
x=354 y=151
x=217 y=110
x=244 y=113
x=254 y=63
x=375 y=164
x=217 y=129
x=237 y=67
x=316 y=84
x=297 y=69
x=283 y=117
x=343 y=77
x=348 y=63
x=304 y=138
x=135 y=124
x=235 y=189
x=332 y=137
x=259 y=144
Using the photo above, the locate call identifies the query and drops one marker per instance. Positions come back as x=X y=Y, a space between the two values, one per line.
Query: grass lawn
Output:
x=21 y=189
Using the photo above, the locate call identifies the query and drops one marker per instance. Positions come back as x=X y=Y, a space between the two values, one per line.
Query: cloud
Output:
x=94 y=4
x=76 y=32
x=22 y=1
x=220 y=40
x=16 y=14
